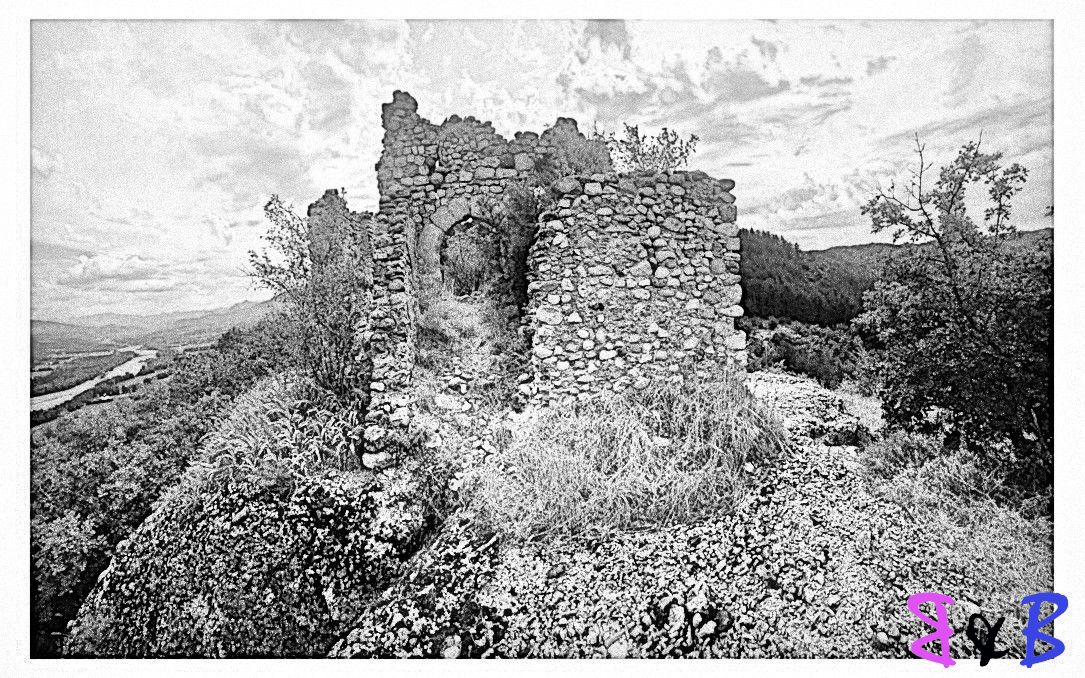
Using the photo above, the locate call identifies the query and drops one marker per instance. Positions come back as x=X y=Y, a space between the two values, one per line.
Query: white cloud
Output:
x=44 y=164
x=94 y=269
x=174 y=134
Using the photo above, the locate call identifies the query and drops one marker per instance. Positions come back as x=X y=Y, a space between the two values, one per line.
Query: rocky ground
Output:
x=811 y=564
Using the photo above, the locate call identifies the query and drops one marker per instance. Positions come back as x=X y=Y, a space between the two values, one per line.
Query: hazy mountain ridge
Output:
x=105 y=331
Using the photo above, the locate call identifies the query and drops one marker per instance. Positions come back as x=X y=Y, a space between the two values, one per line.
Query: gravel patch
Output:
x=810 y=564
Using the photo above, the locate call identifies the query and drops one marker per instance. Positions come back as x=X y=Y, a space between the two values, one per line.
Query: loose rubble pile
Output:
x=809 y=565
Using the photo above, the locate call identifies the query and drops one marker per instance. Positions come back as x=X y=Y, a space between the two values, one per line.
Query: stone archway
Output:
x=429 y=242
x=432 y=239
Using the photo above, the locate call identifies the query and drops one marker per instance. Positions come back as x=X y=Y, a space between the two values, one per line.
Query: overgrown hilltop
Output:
x=514 y=423
x=497 y=275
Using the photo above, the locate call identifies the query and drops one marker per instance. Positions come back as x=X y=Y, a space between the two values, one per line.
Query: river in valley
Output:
x=132 y=367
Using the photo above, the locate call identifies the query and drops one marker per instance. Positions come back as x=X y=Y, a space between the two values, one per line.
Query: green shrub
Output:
x=265 y=547
x=575 y=153
x=65 y=549
x=828 y=354
x=966 y=317
x=322 y=268
x=669 y=454
x=636 y=152
x=898 y=451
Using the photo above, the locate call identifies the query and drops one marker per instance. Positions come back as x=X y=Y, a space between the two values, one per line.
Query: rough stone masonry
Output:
x=631 y=277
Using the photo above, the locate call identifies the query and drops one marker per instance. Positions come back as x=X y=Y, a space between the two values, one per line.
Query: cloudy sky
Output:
x=155 y=144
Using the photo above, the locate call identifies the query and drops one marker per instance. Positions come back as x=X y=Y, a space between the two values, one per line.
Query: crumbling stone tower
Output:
x=630 y=278
x=635 y=278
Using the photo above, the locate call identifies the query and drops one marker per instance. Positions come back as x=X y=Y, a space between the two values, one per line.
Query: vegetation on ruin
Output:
x=663 y=456
x=328 y=296
x=663 y=152
x=578 y=154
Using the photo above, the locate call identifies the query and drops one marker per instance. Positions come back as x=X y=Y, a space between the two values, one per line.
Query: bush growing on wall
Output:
x=328 y=286
x=576 y=153
x=636 y=152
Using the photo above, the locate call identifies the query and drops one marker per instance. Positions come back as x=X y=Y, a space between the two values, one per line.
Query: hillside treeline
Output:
x=780 y=280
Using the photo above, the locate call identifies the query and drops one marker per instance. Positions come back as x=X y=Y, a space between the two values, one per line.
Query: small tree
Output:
x=327 y=284
x=965 y=316
x=640 y=153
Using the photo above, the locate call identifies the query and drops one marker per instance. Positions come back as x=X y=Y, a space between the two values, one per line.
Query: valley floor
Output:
x=813 y=563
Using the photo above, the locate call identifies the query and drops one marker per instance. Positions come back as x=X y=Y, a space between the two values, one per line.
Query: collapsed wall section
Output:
x=633 y=279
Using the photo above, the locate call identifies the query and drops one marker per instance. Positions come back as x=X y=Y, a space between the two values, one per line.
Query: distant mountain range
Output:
x=106 y=331
x=865 y=260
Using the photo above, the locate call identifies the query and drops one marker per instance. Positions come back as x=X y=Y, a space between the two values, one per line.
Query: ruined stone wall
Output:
x=433 y=176
x=631 y=278
x=430 y=178
x=634 y=278
x=374 y=249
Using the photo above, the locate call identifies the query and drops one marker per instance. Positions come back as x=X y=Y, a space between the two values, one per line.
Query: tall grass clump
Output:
x=1002 y=538
x=670 y=454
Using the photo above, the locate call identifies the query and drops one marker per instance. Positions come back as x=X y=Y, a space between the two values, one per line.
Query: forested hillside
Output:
x=780 y=280
x=823 y=287
x=96 y=473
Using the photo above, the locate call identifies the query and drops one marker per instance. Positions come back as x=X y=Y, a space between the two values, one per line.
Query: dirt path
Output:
x=811 y=564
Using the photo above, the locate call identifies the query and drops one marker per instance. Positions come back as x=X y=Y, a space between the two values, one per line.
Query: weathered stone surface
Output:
x=566 y=185
x=549 y=315
x=524 y=162
x=737 y=341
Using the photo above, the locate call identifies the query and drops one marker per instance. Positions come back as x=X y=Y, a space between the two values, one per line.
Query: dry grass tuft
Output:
x=669 y=455
x=274 y=429
x=1006 y=547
